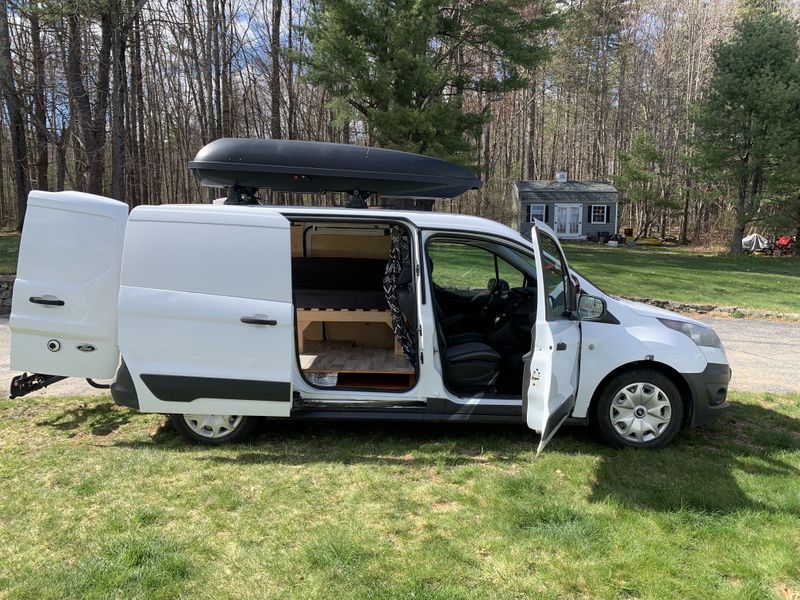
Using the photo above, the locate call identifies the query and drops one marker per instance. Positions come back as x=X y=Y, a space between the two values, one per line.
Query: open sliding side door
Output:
x=550 y=376
x=206 y=322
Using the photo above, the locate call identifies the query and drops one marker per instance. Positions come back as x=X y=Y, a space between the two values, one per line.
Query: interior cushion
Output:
x=464 y=338
x=318 y=273
x=472 y=351
x=340 y=299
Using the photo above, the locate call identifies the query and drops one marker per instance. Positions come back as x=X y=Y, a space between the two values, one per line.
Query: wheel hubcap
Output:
x=213 y=426
x=640 y=412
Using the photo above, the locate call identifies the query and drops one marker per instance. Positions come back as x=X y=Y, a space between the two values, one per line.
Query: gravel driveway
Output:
x=763 y=355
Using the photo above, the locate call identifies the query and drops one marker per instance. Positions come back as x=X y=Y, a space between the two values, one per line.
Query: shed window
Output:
x=536 y=211
x=599 y=213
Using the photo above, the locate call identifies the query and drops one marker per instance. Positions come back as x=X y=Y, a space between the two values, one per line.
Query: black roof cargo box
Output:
x=316 y=167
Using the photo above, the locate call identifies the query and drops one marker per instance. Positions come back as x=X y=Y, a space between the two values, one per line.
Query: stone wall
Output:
x=6 y=288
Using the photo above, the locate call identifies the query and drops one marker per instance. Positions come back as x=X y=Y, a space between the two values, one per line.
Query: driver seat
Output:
x=469 y=366
x=452 y=325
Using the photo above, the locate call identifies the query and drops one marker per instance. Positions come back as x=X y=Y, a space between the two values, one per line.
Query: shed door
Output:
x=569 y=220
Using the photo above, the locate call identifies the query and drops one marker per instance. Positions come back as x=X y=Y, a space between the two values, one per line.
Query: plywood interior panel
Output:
x=368 y=335
x=296 y=236
x=348 y=246
x=342 y=357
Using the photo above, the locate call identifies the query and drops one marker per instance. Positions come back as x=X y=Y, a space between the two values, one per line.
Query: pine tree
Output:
x=748 y=125
x=404 y=66
x=643 y=181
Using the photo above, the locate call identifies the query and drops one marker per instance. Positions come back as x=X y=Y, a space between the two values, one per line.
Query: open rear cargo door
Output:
x=64 y=308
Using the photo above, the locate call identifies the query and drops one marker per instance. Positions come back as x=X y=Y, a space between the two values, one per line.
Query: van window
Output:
x=555 y=275
x=462 y=266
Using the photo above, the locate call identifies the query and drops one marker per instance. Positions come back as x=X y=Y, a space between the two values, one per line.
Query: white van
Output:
x=218 y=315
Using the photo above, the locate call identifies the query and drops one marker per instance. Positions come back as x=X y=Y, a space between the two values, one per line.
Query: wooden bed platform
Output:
x=346 y=365
x=305 y=317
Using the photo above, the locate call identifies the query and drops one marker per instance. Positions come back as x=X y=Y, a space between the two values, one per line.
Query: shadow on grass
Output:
x=697 y=473
x=102 y=419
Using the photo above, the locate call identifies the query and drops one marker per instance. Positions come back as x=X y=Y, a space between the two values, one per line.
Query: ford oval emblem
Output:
x=86 y=348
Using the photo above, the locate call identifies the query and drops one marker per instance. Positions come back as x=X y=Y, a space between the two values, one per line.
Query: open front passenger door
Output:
x=550 y=376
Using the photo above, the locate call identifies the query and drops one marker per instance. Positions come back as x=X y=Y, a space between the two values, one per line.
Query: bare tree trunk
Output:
x=685 y=222
x=39 y=106
x=119 y=86
x=290 y=91
x=61 y=158
x=275 y=83
x=141 y=184
x=19 y=146
x=92 y=124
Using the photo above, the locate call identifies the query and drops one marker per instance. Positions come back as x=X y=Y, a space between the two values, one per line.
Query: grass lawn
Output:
x=684 y=275
x=9 y=248
x=98 y=501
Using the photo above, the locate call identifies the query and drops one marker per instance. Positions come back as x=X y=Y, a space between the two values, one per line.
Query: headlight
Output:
x=700 y=335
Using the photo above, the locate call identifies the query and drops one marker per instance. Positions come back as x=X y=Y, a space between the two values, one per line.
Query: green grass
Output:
x=685 y=275
x=9 y=248
x=98 y=501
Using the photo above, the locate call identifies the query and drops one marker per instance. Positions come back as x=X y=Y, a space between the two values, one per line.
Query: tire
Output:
x=213 y=430
x=640 y=408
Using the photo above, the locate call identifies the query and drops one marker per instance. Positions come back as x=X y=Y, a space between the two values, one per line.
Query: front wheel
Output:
x=213 y=430
x=641 y=408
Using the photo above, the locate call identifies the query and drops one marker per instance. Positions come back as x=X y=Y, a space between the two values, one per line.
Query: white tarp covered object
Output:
x=754 y=242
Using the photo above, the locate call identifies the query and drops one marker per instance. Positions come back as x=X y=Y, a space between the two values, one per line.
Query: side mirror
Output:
x=591 y=308
x=574 y=294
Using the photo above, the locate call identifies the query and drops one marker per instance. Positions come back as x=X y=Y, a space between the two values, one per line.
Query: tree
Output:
x=404 y=66
x=19 y=145
x=748 y=124
x=643 y=181
x=275 y=80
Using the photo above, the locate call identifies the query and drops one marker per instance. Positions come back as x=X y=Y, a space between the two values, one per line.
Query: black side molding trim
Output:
x=400 y=415
x=445 y=405
x=558 y=417
x=180 y=388
x=123 y=392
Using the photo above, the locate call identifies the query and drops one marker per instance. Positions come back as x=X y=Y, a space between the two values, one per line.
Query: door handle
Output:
x=258 y=321
x=46 y=301
x=561 y=346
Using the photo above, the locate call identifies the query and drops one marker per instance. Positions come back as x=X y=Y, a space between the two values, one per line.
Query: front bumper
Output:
x=709 y=393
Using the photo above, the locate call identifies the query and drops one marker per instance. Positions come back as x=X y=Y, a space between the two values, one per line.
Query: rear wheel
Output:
x=213 y=430
x=641 y=408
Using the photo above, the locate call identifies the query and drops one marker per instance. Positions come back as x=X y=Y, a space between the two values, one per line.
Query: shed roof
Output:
x=570 y=187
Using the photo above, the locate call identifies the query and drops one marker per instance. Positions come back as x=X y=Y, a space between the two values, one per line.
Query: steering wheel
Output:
x=513 y=298
x=496 y=289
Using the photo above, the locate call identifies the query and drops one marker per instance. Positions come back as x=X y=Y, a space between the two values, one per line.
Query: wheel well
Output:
x=676 y=378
